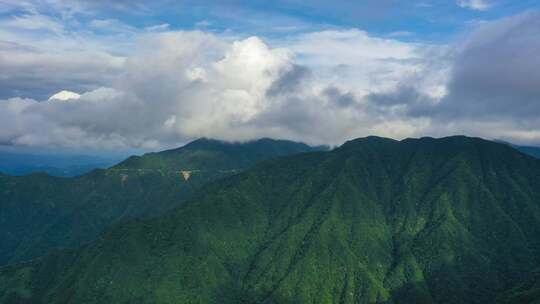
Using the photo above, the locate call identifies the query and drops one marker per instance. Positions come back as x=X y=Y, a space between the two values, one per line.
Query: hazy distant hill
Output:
x=12 y=163
x=451 y=220
x=39 y=213
x=532 y=151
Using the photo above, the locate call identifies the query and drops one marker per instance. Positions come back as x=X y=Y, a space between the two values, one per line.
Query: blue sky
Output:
x=151 y=75
x=435 y=21
x=424 y=20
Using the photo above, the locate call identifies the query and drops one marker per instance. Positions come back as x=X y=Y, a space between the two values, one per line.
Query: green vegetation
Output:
x=452 y=220
x=208 y=154
x=40 y=213
x=526 y=291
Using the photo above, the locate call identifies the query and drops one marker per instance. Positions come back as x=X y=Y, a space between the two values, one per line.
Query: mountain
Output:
x=529 y=150
x=527 y=291
x=209 y=154
x=12 y=163
x=450 y=220
x=532 y=151
x=40 y=213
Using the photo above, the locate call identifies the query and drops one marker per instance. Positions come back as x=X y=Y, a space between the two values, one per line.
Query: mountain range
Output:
x=40 y=213
x=69 y=165
x=450 y=220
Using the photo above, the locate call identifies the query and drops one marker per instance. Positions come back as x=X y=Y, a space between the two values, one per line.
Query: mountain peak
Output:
x=212 y=154
x=206 y=142
x=368 y=140
x=454 y=140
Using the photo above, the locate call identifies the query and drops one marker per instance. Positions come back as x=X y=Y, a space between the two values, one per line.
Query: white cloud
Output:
x=182 y=85
x=355 y=60
x=490 y=82
x=479 y=5
x=155 y=88
x=33 y=21
x=40 y=54
x=64 y=95
x=157 y=27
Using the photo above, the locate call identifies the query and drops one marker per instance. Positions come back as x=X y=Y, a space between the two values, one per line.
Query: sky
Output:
x=140 y=75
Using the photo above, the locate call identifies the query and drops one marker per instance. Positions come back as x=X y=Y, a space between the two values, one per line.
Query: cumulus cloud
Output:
x=492 y=84
x=64 y=95
x=320 y=87
x=496 y=72
x=182 y=85
x=356 y=59
x=495 y=77
x=30 y=71
x=41 y=54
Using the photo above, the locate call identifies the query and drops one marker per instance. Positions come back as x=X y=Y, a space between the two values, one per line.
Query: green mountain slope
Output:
x=39 y=213
x=452 y=220
x=526 y=291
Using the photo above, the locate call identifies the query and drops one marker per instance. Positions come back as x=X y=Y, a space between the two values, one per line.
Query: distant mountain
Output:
x=213 y=154
x=451 y=220
x=40 y=213
x=530 y=150
x=12 y=163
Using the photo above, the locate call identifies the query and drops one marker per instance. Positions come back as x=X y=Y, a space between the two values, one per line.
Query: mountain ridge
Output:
x=39 y=212
x=233 y=155
x=453 y=220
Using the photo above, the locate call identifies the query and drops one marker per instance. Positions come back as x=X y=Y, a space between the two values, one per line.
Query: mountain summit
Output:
x=450 y=220
x=211 y=154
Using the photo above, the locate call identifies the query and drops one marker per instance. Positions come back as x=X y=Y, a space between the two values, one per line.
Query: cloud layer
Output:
x=492 y=87
x=319 y=87
x=181 y=85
